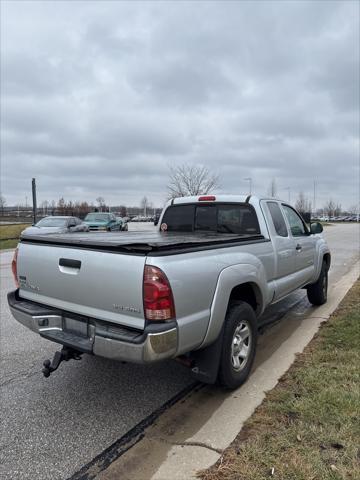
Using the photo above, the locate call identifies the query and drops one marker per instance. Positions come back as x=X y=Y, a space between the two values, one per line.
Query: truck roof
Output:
x=217 y=198
x=252 y=199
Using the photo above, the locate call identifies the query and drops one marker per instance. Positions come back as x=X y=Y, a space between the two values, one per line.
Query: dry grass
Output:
x=10 y=231
x=13 y=230
x=308 y=426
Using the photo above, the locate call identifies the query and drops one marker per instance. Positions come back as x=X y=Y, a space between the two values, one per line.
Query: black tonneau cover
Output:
x=141 y=242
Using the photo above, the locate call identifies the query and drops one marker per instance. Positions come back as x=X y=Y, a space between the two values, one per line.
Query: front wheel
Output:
x=239 y=345
x=317 y=292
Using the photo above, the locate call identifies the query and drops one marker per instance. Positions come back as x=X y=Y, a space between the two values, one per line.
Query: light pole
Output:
x=249 y=179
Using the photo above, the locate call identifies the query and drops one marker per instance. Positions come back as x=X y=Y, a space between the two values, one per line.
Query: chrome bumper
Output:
x=156 y=343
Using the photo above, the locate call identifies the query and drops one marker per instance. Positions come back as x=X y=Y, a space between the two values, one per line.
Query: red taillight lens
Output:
x=158 y=298
x=14 y=267
x=207 y=198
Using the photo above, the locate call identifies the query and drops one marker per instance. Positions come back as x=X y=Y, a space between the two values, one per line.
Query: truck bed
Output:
x=142 y=243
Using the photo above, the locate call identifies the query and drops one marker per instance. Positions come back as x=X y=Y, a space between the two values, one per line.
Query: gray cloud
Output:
x=98 y=98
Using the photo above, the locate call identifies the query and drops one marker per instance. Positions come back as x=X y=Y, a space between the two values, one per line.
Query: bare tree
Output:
x=144 y=204
x=123 y=212
x=187 y=180
x=101 y=203
x=303 y=204
x=44 y=205
x=61 y=206
x=330 y=207
x=272 y=188
x=83 y=209
x=337 y=210
x=2 y=203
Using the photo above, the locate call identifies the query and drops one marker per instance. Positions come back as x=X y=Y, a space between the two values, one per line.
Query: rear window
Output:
x=222 y=218
x=97 y=217
x=180 y=218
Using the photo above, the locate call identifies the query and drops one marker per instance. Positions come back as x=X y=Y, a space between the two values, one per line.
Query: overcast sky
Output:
x=98 y=98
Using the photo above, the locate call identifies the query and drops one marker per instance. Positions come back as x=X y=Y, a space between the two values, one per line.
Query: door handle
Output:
x=298 y=247
x=69 y=262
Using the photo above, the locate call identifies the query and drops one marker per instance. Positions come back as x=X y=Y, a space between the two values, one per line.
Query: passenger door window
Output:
x=297 y=226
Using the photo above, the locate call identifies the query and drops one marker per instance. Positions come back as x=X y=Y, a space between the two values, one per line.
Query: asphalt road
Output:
x=51 y=427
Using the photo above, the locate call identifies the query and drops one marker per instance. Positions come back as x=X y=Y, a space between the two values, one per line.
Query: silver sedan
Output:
x=57 y=224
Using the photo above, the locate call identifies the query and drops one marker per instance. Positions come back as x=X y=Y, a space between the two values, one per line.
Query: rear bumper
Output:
x=157 y=342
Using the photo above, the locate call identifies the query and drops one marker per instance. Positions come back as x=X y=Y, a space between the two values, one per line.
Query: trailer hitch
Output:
x=64 y=355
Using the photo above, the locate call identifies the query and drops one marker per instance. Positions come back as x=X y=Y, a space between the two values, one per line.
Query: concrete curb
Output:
x=192 y=435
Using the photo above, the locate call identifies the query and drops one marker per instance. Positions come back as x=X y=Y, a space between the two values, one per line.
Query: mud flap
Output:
x=207 y=360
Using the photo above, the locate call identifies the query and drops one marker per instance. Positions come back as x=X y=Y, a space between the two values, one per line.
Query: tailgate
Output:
x=102 y=285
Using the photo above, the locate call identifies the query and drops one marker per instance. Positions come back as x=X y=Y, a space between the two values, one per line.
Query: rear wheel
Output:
x=239 y=345
x=317 y=292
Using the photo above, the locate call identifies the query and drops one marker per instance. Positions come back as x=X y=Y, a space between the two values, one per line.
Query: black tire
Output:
x=317 y=292
x=231 y=375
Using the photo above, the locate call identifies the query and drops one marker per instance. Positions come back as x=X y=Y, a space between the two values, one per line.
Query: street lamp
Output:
x=248 y=179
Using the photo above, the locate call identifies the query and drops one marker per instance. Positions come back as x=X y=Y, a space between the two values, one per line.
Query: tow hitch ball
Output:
x=64 y=354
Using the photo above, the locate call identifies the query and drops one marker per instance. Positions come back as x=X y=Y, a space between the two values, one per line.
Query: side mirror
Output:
x=316 y=227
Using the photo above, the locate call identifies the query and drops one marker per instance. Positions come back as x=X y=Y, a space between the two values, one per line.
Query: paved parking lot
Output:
x=51 y=427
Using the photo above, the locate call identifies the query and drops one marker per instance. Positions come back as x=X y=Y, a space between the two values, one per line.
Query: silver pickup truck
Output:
x=193 y=290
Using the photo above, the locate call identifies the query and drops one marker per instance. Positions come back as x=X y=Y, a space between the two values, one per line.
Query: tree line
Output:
x=184 y=180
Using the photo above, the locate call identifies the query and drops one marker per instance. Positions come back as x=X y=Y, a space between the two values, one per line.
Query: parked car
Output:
x=57 y=224
x=123 y=224
x=100 y=221
x=197 y=287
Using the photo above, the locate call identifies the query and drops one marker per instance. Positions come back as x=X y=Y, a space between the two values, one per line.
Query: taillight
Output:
x=14 y=267
x=158 y=298
x=207 y=198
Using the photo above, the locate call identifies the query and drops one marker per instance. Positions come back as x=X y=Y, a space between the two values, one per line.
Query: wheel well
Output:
x=327 y=260
x=246 y=292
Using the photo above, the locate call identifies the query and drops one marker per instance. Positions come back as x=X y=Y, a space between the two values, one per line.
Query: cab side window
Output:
x=278 y=219
x=297 y=226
